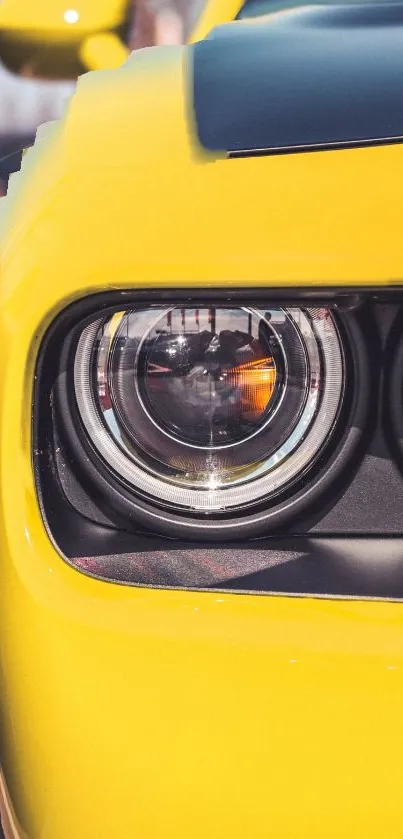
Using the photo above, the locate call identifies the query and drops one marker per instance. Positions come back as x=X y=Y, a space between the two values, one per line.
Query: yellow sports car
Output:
x=50 y=38
x=201 y=445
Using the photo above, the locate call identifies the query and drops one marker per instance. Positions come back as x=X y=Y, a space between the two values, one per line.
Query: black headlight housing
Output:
x=236 y=356
x=211 y=420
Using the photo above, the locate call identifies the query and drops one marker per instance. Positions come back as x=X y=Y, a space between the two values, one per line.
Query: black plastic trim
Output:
x=314 y=556
x=315 y=147
x=334 y=568
x=393 y=405
x=315 y=77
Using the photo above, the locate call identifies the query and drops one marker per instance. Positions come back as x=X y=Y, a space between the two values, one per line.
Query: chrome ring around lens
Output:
x=314 y=395
x=253 y=448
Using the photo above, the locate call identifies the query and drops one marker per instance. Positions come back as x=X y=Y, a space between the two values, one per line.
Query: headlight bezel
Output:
x=332 y=462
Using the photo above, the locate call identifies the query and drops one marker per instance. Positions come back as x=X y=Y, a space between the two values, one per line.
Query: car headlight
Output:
x=209 y=413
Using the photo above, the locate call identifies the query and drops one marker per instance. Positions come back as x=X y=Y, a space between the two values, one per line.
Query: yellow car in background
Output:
x=201 y=446
x=58 y=39
x=45 y=38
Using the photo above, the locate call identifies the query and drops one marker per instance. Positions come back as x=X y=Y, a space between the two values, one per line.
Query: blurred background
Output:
x=36 y=81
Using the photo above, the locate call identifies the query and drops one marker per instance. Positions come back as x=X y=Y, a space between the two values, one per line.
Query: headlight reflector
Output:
x=209 y=409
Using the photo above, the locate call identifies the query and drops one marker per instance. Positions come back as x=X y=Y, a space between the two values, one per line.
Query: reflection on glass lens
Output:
x=209 y=377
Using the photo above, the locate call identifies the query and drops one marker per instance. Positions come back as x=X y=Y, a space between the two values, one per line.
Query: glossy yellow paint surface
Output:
x=214 y=14
x=163 y=715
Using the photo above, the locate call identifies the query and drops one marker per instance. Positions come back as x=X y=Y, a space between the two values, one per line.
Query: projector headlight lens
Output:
x=211 y=409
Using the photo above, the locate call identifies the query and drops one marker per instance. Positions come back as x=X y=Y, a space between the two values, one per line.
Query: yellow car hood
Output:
x=127 y=153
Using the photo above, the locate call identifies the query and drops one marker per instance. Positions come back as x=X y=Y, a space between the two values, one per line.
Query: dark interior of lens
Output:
x=165 y=396
x=210 y=377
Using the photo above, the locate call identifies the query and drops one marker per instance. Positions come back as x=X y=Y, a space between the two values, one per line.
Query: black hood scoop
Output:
x=305 y=79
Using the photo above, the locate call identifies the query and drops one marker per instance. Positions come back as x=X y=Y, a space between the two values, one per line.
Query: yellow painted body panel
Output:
x=214 y=14
x=163 y=715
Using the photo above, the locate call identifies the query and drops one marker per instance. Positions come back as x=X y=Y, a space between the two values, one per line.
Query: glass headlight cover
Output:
x=209 y=410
